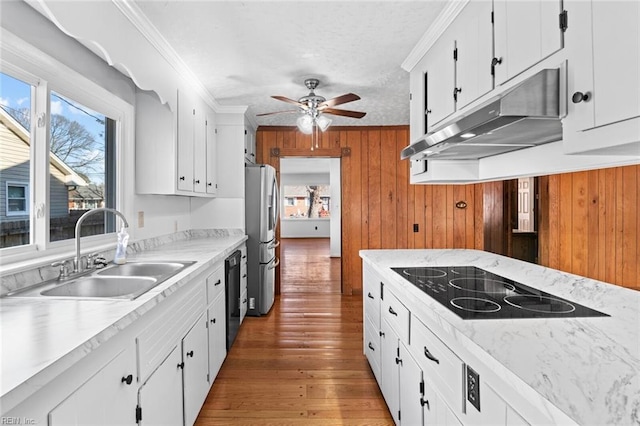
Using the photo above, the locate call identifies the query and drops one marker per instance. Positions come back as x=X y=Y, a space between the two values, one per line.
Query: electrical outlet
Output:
x=473 y=388
x=140 y=219
x=416 y=228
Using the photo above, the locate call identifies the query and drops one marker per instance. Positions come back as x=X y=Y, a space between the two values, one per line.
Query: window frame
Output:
x=23 y=61
x=24 y=185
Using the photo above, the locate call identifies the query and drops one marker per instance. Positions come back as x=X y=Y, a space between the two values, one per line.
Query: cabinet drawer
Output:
x=396 y=314
x=442 y=368
x=215 y=284
x=372 y=347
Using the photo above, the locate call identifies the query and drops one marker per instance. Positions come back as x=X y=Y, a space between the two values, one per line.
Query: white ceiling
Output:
x=245 y=51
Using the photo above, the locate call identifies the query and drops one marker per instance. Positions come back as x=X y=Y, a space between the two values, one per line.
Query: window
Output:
x=307 y=201
x=17 y=199
x=58 y=146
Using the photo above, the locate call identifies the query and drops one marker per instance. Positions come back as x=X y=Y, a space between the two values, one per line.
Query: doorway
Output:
x=310 y=225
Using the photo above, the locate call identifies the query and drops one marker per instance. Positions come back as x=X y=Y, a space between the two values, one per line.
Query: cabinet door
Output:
x=390 y=372
x=200 y=149
x=440 y=80
x=411 y=390
x=185 y=129
x=474 y=47
x=437 y=412
x=604 y=39
x=525 y=33
x=217 y=336
x=107 y=398
x=212 y=155
x=160 y=398
x=195 y=353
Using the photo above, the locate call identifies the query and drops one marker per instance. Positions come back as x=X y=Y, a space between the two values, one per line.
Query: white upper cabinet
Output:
x=176 y=151
x=474 y=47
x=525 y=33
x=439 y=80
x=604 y=83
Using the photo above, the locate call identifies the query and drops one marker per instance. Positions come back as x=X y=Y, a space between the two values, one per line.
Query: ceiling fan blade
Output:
x=344 y=112
x=290 y=101
x=276 y=112
x=339 y=100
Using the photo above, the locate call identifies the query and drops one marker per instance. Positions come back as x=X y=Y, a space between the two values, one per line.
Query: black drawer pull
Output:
x=371 y=347
x=392 y=312
x=382 y=334
x=429 y=356
x=213 y=321
x=218 y=282
x=181 y=365
x=190 y=353
x=127 y=379
x=398 y=361
x=370 y=296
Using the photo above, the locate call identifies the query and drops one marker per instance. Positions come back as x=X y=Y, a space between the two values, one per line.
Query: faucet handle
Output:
x=64 y=270
x=98 y=261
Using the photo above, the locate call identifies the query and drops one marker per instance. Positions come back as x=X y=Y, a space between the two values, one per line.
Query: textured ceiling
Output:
x=244 y=52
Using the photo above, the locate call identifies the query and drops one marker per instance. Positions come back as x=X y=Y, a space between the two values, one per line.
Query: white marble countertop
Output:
x=41 y=338
x=589 y=368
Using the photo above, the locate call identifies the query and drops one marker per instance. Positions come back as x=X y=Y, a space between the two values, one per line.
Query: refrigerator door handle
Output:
x=274 y=245
x=275 y=265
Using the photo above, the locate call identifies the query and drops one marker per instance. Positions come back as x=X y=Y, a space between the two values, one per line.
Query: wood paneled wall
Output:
x=589 y=224
x=379 y=206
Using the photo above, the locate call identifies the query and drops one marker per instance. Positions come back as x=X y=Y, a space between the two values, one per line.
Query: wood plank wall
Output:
x=589 y=224
x=379 y=206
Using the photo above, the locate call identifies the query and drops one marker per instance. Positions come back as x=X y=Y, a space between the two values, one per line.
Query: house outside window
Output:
x=17 y=199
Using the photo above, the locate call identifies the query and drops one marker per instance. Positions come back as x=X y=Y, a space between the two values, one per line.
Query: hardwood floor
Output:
x=302 y=364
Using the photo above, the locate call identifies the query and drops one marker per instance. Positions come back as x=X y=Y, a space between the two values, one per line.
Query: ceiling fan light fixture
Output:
x=323 y=122
x=305 y=124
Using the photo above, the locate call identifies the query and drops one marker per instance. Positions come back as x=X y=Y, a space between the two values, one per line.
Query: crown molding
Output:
x=435 y=30
x=140 y=21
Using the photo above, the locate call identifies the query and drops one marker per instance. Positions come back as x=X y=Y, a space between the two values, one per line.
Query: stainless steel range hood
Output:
x=524 y=116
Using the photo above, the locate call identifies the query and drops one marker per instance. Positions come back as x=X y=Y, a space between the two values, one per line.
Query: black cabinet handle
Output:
x=429 y=356
x=212 y=321
x=181 y=365
x=197 y=181
x=370 y=296
x=398 y=360
x=424 y=402
x=371 y=347
x=244 y=275
x=579 y=97
x=392 y=312
x=218 y=282
x=496 y=61
x=128 y=380
x=382 y=334
x=190 y=353
x=427 y=112
x=209 y=184
x=181 y=177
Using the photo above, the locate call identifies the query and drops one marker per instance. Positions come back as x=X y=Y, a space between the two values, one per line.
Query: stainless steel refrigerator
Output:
x=261 y=219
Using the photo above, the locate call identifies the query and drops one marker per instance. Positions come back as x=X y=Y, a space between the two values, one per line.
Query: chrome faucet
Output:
x=76 y=260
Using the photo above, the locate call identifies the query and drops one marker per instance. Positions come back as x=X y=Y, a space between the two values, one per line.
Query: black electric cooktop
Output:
x=473 y=293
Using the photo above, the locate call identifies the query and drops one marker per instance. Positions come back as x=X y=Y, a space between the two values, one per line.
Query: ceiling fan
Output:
x=313 y=106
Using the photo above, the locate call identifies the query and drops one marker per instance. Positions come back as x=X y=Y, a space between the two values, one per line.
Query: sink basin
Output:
x=103 y=287
x=144 y=269
x=126 y=281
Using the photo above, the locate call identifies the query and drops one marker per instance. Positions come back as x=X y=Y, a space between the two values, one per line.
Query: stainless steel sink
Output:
x=126 y=281
x=103 y=287
x=144 y=269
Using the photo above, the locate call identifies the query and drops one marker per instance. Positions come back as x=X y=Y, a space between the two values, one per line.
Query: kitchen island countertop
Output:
x=41 y=338
x=588 y=368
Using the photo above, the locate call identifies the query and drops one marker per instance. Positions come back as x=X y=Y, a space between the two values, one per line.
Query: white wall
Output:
x=305 y=228
x=336 y=208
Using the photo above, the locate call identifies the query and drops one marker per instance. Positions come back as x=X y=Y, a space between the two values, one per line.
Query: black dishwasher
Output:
x=232 y=287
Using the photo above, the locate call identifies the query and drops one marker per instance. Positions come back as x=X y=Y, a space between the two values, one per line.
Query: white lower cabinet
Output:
x=217 y=336
x=107 y=398
x=195 y=372
x=160 y=397
x=412 y=396
x=390 y=375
